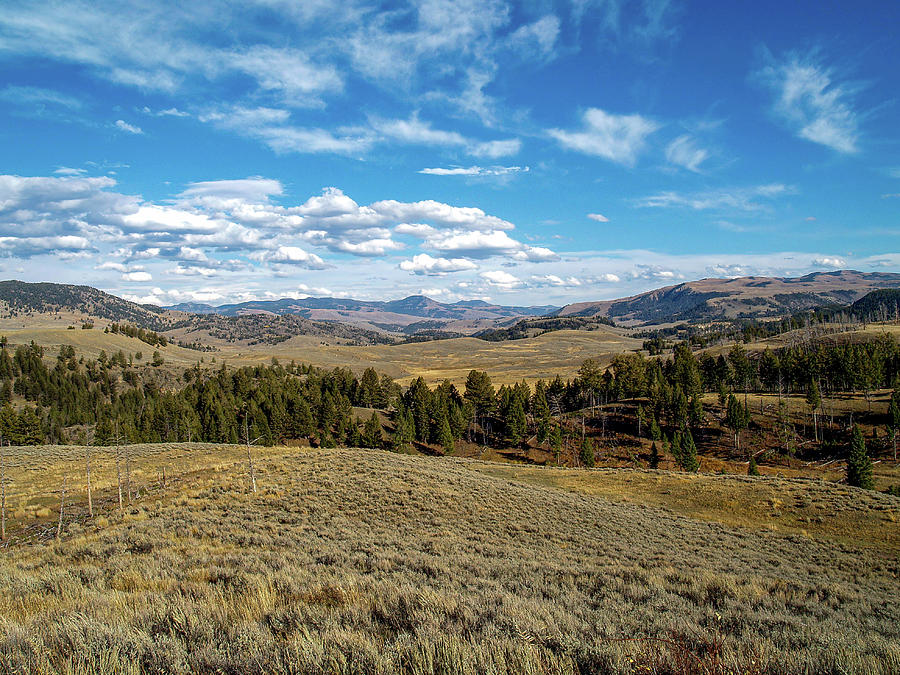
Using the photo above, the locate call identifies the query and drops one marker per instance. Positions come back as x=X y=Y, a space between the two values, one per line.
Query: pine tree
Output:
x=814 y=400
x=404 y=431
x=445 y=437
x=894 y=419
x=516 y=422
x=372 y=432
x=556 y=442
x=687 y=460
x=654 y=456
x=752 y=468
x=859 y=466
x=737 y=417
x=586 y=453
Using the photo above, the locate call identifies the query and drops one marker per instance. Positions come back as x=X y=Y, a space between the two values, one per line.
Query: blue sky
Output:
x=533 y=152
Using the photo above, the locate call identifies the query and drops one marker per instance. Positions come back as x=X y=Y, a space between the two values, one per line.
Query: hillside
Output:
x=45 y=305
x=413 y=315
x=21 y=300
x=354 y=561
x=745 y=297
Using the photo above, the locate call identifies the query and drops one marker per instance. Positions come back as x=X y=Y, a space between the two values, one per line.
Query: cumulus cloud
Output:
x=137 y=276
x=292 y=255
x=829 y=261
x=487 y=244
x=618 y=138
x=501 y=279
x=425 y=264
x=599 y=217
x=553 y=280
x=811 y=103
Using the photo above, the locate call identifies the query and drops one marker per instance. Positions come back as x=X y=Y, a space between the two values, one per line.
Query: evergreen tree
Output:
x=859 y=466
x=446 y=437
x=814 y=400
x=372 y=432
x=687 y=459
x=516 y=423
x=404 y=431
x=654 y=456
x=737 y=418
x=586 y=453
x=556 y=442
x=752 y=468
x=655 y=430
x=894 y=419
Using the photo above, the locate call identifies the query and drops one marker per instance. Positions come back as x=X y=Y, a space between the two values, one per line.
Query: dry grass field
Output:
x=544 y=356
x=352 y=561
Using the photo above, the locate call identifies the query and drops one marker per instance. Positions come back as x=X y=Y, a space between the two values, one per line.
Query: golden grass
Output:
x=544 y=356
x=350 y=561
x=814 y=509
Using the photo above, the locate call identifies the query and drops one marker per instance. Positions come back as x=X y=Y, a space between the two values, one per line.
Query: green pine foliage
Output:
x=586 y=452
x=654 y=456
x=859 y=466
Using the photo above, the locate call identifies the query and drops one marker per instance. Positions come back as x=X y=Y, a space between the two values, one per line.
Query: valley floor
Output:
x=351 y=561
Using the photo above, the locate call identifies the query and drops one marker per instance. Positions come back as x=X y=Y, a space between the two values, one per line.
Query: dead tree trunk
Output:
x=118 y=468
x=2 y=493
x=62 y=504
x=87 y=460
x=249 y=456
x=128 y=472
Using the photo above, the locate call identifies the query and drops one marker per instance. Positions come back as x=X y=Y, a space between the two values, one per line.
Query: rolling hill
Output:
x=29 y=305
x=745 y=297
x=408 y=316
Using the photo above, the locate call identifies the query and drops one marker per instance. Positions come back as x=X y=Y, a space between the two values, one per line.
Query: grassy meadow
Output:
x=354 y=561
x=545 y=356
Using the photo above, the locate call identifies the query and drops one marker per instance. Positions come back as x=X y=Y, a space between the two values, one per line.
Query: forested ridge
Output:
x=116 y=398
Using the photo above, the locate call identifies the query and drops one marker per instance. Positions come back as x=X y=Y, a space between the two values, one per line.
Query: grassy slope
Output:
x=356 y=561
x=541 y=357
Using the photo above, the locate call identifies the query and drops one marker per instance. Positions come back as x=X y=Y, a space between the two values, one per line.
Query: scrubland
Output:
x=353 y=561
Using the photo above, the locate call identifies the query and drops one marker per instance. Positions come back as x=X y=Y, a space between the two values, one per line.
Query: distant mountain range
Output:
x=419 y=317
x=409 y=316
x=745 y=297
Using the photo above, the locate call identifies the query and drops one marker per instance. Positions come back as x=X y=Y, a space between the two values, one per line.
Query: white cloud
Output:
x=419 y=230
x=501 y=279
x=476 y=171
x=554 y=280
x=137 y=276
x=425 y=264
x=683 y=152
x=292 y=255
x=129 y=128
x=487 y=244
x=39 y=96
x=812 y=104
x=538 y=37
x=827 y=261
x=599 y=217
x=740 y=198
x=618 y=138
x=496 y=149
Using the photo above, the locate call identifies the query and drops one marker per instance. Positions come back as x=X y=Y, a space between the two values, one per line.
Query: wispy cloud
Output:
x=38 y=95
x=618 y=138
x=811 y=103
x=599 y=217
x=475 y=171
x=739 y=198
x=684 y=152
x=122 y=125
